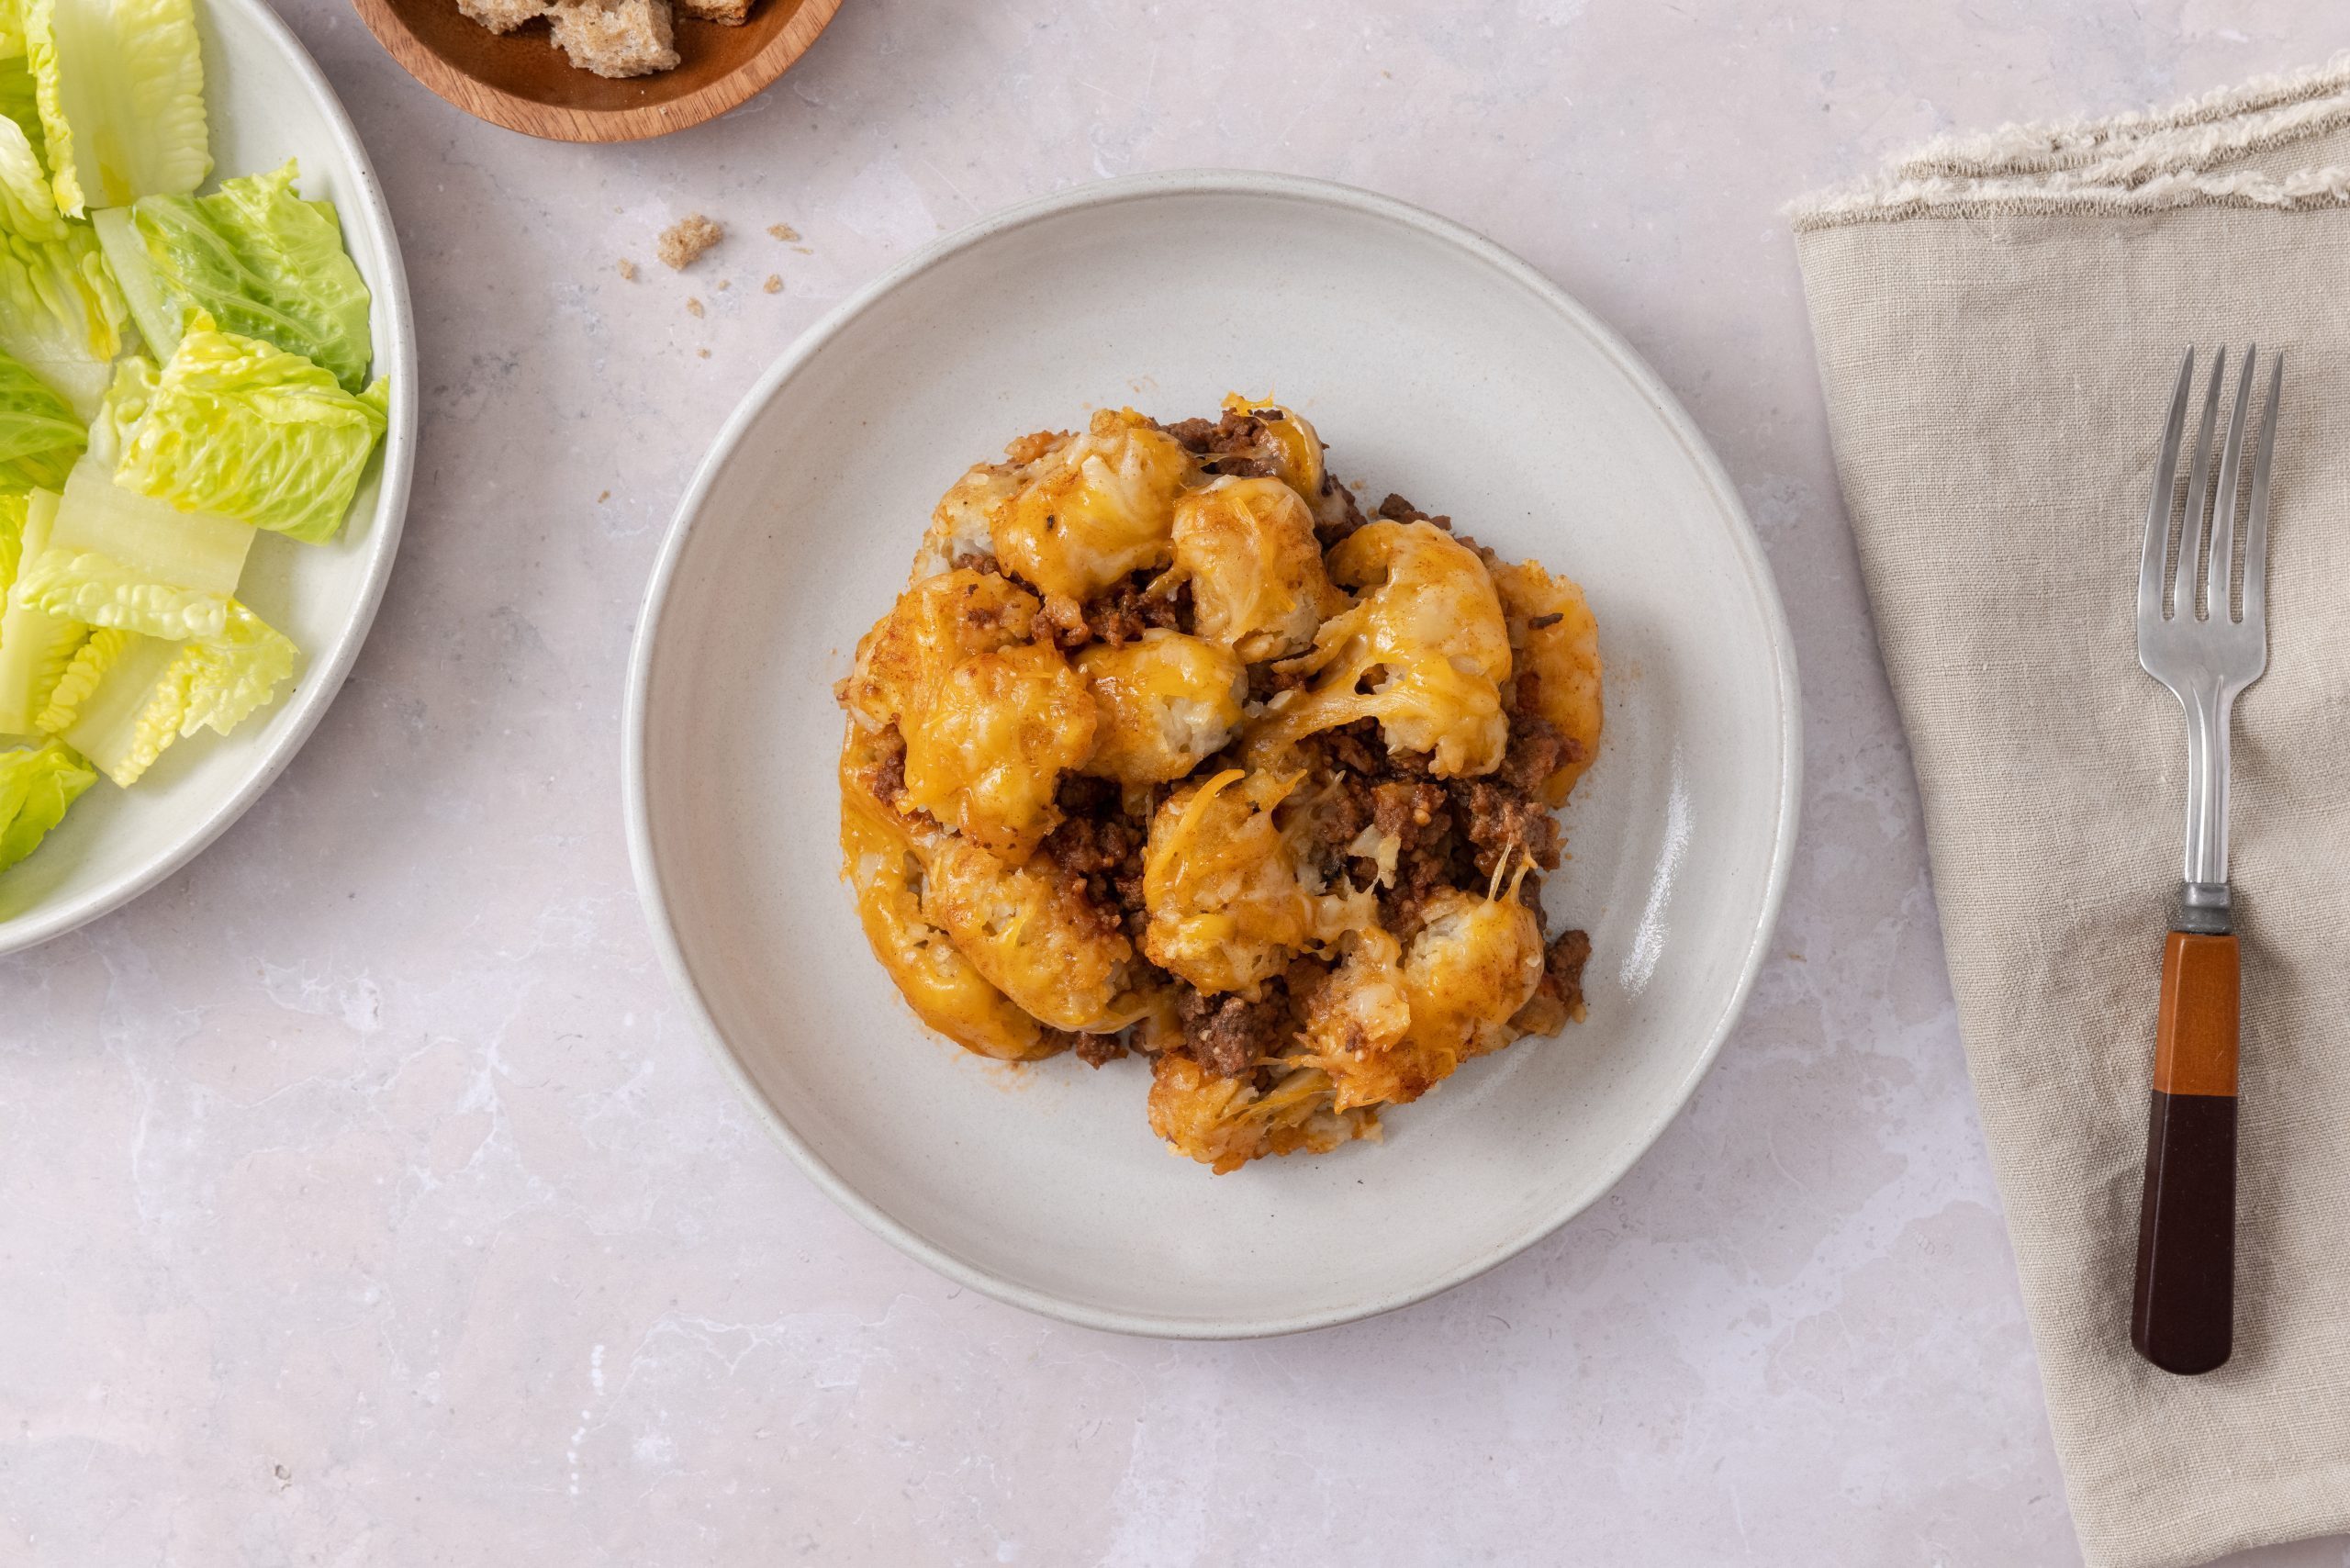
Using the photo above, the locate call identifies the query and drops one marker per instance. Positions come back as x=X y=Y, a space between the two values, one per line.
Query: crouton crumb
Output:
x=774 y=283
x=628 y=271
x=693 y=306
x=725 y=282
x=703 y=353
x=602 y=498
x=783 y=232
x=683 y=242
x=803 y=250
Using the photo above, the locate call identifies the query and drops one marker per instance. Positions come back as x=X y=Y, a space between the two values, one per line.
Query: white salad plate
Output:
x=1433 y=363
x=266 y=102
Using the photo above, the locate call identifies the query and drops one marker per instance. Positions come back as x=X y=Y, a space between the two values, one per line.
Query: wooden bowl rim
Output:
x=558 y=123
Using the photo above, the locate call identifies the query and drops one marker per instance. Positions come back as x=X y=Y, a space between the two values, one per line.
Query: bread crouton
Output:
x=733 y=13
x=615 y=38
x=682 y=243
x=503 y=16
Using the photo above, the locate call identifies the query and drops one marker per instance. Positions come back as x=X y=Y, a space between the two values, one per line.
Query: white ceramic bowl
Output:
x=267 y=103
x=1433 y=363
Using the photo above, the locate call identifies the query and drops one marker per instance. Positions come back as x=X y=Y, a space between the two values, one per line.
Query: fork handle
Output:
x=2182 y=1315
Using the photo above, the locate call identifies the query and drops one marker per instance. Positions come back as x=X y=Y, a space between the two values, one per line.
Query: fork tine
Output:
x=2255 y=529
x=2198 y=498
x=2223 y=499
x=2155 y=553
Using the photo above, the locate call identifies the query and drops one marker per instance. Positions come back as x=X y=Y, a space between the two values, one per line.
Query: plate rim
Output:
x=1304 y=190
x=322 y=680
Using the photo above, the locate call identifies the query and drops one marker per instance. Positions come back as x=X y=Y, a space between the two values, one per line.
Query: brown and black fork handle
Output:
x=2182 y=1313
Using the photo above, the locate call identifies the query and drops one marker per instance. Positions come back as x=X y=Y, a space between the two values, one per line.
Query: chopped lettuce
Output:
x=129 y=696
x=254 y=256
x=40 y=437
x=13 y=508
x=27 y=206
x=121 y=84
x=37 y=783
x=117 y=559
x=61 y=313
x=237 y=427
x=35 y=647
x=98 y=591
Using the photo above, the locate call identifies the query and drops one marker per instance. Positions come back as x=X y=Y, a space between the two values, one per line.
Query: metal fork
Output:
x=2194 y=638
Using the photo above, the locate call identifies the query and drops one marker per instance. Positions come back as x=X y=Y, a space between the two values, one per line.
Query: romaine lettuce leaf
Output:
x=253 y=255
x=61 y=313
x=27 y=205
x=121 y=84
x=12 y=30
x=248 y=431
x=129 y=696
x=40 y=437
x=35 y=647
x=98 y=591
x=13 y=506
x=37 y=783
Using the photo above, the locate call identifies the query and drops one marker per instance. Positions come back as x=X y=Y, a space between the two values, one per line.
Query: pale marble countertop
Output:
x=368 y=1201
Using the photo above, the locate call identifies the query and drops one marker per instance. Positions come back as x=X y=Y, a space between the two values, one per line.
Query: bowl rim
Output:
x=636 y=122
x=1147 y=187
x=322 y=680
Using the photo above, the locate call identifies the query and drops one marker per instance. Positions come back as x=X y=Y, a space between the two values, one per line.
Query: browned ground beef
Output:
x=1562 y=969
x=1095 y=1049
x=1102 y=848
x=1230 y=445
x=978 y=561
x=1127 y=611
x=887 y=779
x=1329 y=531
x=1226 y=1034
x=1265 y=682
x=1395 y=509
x=1499 y=820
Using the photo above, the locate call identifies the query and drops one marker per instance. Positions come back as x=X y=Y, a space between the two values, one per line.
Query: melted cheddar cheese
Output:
x=944 y=989
x=1423 y=650
x=1220 y=880
x=1029 y=934
x=1164 y=704
x=1246 y=547
x=1093 y=508
x=990 y=720
x=1563 y=656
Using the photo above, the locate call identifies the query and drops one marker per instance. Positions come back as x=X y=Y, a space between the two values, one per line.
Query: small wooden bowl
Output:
x=520 y=80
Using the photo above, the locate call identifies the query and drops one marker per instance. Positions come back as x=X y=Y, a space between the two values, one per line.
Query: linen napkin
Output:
x=1999 y=320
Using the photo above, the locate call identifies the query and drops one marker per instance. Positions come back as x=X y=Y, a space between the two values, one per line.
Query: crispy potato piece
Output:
x=1093 y=508
x=1247 y=546
x=1220 y=880
x=1164 y=704
x=1563 y=656
x=1426 y=637
x=1030 y=934
x=942 y=987
x=1226 y=1122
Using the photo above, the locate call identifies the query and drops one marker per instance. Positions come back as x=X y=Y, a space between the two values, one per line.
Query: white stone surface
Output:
x=367 y=1203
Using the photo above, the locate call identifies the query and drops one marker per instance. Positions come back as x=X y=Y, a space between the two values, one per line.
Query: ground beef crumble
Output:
x=1226 y=1034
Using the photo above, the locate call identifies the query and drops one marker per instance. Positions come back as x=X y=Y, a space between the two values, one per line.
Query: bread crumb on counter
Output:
x=693 y=307
x=627 y=270
x=783 y=232
x=703 y=353
x=774 y=283
x=614 y=38
x=602 y=498
x=683 y=241
x=725 y=282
